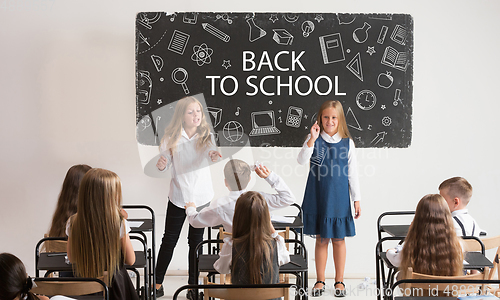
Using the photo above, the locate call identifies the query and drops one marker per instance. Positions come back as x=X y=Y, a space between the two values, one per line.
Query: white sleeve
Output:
x=124 y=228
x=353 y=173
x=394 y=255
x=305 y=153
x=207 y=217
x=223 y=264
x=284 y=197
x=167 y=154
x=283 y=255
x=61 y=298
x=68 y=225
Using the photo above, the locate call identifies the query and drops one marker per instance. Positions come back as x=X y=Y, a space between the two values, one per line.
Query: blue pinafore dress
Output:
x=326 y=204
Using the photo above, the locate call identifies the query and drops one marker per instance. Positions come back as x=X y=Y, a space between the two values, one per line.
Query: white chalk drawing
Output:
x=399 y=34
x=385 y=80
x=144 y=39
x=172 y=16
x=320 y=157
x=144 y=87
x=331 y=48
x=180 y=76
x=159 y=101
x=346 y=19
x=270 y=102
x=351 y=120
x=382 y=34
x=282 y=37
x=226 y=63
x=190 y=18
x=386 y=121
x=216 y=32
x=144 y=123
x=224 y=17
x=370 y=127
x=263 y=123
x=356 y=67
x=145 y=19
x=397 y=95
x=279 y=118
x=318 y=18
x=233 y=131
x=314 y=118
x=178 y=42
x=273 y=18
x=255 y=31
x=291 y=18
x=360 y=35
x=215 y=114
x=307 y=28
x=371 y=50
x=379 y=138
x=294 y=116
x=366 y=99
x=157 y=61
x=202 y=54
x=395 y=59
x=237 y=112
x=383 y=107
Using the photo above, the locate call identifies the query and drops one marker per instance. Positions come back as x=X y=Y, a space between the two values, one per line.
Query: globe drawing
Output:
x=233 y=131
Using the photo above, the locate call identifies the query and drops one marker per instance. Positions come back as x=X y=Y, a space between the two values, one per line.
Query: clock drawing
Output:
x=366 y=99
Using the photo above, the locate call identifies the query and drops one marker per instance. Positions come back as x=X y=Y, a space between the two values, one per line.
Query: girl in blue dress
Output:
x=331 y=185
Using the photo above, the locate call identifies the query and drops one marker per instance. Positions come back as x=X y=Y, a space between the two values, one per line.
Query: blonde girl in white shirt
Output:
x=187 y=147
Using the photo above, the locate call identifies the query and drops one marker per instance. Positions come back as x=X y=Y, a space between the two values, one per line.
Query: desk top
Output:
x=147 y=225
x=395 y=230
x=297 y=264
x=297 y=223
x=55 y=261
x=475 y=260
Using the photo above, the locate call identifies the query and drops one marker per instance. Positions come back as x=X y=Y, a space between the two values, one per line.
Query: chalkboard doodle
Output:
x=263 y=76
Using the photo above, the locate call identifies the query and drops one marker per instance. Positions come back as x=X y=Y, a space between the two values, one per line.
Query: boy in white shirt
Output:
x=237 y=175
x=457 y=192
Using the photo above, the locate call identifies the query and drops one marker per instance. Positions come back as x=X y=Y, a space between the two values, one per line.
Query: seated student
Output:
x=15 y=284
x=431 y=245
x=255 y=251
x=237 y=175
x=66 y=204
x=98 y=240
x=457 y=192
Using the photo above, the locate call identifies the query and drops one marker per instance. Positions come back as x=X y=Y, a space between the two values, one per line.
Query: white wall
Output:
x=67 y=95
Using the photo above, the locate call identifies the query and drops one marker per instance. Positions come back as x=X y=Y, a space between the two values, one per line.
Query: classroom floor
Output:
x=172 y=283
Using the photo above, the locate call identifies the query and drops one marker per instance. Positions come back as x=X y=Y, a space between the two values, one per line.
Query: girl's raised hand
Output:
x=162 y=163
x=214 y=155
x=315 y=130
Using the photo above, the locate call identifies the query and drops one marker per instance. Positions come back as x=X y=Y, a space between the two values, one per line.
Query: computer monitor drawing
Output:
x=263 y=123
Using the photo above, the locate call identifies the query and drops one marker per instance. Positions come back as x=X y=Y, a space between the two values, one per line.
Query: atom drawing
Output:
x=202 y=54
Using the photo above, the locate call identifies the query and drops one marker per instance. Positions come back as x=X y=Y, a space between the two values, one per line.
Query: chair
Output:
x=240 y=292
x=71 y=287
x=54 y=245
x=423 y=285
x=141 y=261
x=384 y=280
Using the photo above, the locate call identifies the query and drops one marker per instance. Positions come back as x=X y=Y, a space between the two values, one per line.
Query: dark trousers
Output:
x=173 y=226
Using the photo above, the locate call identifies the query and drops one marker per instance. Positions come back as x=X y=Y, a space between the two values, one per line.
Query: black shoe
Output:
x=191 y=295
x=318 y=292
x=338 y=292
x=160 y=292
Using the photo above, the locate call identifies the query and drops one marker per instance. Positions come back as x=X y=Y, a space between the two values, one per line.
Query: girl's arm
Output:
x=213 y=151
x=165 y=160
x=129 y=253
x=68 y=248
x=353 y=178
x=308 y=146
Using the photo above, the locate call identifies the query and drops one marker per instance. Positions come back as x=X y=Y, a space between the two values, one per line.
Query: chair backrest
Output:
x=472 y=244
x=70 y=286
x=54 y=246
x=444 y=289
x=491 y=243
x=246 y=293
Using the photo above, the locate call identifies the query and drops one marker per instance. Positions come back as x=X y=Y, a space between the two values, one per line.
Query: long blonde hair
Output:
x=174 y=128
x=252 y=234
x=95 y=229
x=342 y=128
x=432 y=246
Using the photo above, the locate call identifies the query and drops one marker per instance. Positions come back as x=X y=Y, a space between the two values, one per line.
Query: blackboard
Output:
x=263 y=76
